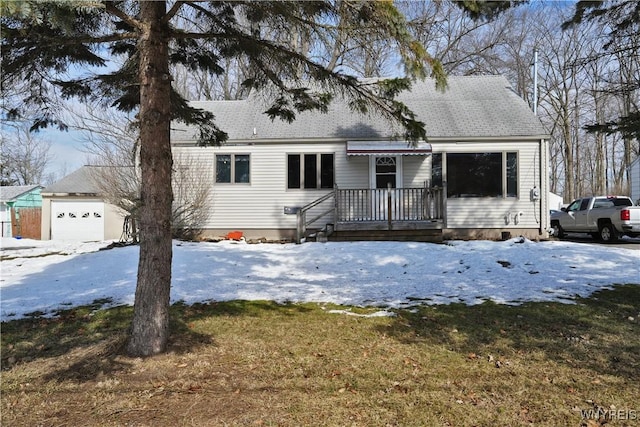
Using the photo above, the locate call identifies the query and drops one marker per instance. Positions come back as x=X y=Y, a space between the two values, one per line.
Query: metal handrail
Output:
x=301 y=215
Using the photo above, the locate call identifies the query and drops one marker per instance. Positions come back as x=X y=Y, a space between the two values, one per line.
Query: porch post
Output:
x=336 y=207
x=443 y=198
x=300 y=228
x=389 y=210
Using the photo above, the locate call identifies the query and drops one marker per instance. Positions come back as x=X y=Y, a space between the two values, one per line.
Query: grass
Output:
x=260 y=363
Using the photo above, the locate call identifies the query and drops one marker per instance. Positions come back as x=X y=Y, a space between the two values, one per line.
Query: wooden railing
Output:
x=371 y=205
x=395 y=204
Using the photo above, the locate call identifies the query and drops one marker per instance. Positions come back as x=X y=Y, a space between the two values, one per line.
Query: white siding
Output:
x=5 y=219
x=634 y=176
x=416 y=170
x=493 y=212
x=260 y=204
x=352 y=171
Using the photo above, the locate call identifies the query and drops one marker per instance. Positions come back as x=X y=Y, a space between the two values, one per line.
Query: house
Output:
x=634 y=178
x=482 y=173
x=20 y=211
x=74 y=210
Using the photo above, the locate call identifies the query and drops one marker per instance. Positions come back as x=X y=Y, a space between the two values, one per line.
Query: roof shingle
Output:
x=471 y=107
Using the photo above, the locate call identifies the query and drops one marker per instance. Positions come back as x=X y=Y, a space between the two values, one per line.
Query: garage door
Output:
x=77 y=221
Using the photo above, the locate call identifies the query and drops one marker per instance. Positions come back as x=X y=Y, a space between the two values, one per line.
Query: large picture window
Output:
x=482 y=174
x=310 y=171
x=233 y=168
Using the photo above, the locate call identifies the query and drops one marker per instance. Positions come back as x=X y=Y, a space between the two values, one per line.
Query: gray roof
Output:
x=472 y=107
x=78 y=182
x=12 y=192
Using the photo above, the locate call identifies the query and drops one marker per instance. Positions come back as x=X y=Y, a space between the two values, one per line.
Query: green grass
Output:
x=261 y=363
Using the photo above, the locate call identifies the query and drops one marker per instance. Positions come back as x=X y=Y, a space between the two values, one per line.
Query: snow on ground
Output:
x=45 y=276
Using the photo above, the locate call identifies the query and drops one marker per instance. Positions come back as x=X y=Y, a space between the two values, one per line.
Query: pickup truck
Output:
x=604 y=217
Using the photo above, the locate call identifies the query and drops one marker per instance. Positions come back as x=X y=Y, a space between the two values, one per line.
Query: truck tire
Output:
x=557 y=229
x=607 y=232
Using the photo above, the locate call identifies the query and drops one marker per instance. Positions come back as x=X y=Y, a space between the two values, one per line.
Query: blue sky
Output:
x=66 y=152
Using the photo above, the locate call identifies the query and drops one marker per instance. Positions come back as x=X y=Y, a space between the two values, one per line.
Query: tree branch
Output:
x=111 y=9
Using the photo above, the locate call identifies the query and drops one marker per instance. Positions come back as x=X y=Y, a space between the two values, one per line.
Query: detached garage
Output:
x=73 y=210
x=77 y=220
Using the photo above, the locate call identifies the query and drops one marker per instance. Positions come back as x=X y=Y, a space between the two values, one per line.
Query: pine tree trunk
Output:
x=150 y=326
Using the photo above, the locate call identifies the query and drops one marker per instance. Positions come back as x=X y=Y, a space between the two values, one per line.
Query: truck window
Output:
x=602 y=203
x=574 y=206
x=622 y=202
x=584 y=205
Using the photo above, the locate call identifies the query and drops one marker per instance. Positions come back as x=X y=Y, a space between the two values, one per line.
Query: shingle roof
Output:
x=11 y=192
x=78 y=182
x=471 y=107
x=85 y=180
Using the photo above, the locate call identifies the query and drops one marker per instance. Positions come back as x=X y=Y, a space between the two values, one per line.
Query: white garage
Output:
x=73 y=210
x=77 y=220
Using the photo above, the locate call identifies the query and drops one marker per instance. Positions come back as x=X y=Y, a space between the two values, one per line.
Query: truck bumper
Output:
x=631 y=230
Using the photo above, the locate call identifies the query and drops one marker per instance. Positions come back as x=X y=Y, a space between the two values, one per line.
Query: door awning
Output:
x=387 y=148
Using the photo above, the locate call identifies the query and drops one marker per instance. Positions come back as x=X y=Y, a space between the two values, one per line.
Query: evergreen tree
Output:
x=121 y=52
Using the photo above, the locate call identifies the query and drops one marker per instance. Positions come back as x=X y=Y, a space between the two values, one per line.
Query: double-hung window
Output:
x=233 y=168
x=478 y=174
x=310 y=170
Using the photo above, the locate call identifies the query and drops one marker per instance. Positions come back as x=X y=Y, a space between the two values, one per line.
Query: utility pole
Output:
x=535 y=81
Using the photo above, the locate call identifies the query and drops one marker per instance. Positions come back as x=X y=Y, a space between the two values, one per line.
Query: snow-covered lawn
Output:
x=45 y=276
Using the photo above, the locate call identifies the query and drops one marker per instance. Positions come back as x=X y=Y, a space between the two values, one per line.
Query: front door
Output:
x=385 y=175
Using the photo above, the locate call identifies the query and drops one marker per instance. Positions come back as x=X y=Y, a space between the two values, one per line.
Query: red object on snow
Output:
x=234 y=235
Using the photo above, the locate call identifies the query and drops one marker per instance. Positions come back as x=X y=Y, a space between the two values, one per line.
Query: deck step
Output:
x=427 y=235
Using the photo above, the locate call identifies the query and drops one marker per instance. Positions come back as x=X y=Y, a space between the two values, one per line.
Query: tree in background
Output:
x=620 y=24
x=111 y=141
x=24 y=157
x=63 y=51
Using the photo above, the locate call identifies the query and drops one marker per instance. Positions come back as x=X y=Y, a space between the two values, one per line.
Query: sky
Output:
x=66 y=152
x=47 y=275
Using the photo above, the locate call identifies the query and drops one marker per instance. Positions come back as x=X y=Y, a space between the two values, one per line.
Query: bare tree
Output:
x=111 y=142
x=192 y=189
x=25 y=156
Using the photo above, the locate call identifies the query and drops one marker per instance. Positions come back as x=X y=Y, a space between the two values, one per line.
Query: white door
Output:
x=77 y=221
x=385 y=173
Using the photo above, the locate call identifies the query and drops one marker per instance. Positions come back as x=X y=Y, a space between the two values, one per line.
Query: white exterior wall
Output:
x=634 y=176
x=416 y=171
x=499 y=213
x=260 y=204
x=5 y=219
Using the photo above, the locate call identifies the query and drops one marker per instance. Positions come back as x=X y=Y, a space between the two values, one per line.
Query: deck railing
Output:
x=371 y=205
x=394 y=204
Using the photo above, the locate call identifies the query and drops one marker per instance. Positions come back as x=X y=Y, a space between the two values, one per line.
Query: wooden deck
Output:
x=412 y=214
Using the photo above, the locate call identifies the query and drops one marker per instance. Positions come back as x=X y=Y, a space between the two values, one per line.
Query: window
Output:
x=232 y=168
x=386 y=172
x=310 y=171
x=482 y=174
x=436 y=170
x=578 y=205
x=512 y=174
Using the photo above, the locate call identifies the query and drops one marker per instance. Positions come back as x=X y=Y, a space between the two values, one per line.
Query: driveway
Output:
x=625 y=242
